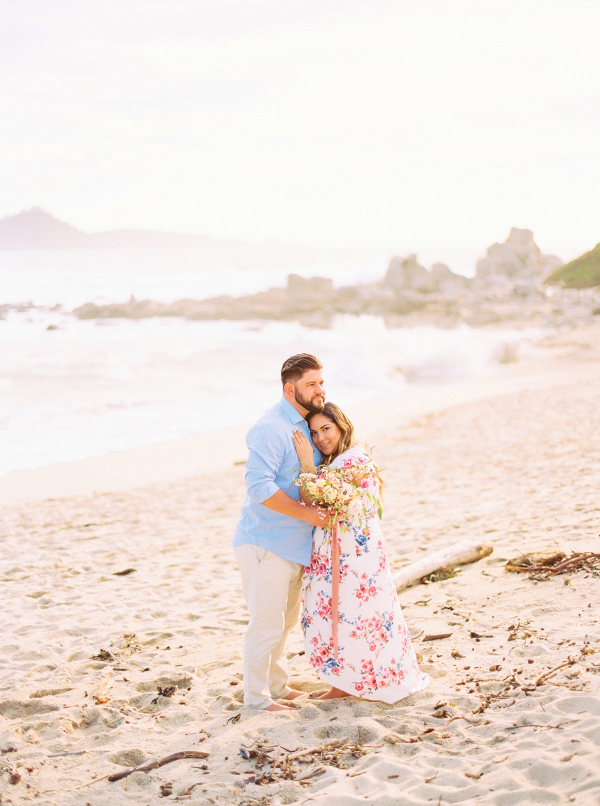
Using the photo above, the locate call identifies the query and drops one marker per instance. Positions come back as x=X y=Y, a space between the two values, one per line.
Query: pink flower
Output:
x=358 y=686
x=364 y=484
x=372 y=590
x=335 y=670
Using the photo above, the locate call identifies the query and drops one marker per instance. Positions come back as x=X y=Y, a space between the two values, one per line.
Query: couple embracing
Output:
x=355 y=636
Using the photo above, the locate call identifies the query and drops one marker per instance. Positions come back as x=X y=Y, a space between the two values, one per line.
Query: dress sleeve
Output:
x=266 y=451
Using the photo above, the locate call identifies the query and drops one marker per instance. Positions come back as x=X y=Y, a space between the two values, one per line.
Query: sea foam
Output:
x=88 y=388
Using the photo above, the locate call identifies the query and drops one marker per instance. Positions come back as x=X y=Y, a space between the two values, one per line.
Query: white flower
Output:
x=355 y=508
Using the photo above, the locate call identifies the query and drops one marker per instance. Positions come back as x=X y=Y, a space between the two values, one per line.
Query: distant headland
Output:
x=38 y=229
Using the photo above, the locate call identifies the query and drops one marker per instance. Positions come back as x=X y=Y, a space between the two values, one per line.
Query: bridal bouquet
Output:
x=341 y=489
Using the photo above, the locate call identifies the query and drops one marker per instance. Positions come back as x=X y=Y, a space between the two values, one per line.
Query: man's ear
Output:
x=288 y=388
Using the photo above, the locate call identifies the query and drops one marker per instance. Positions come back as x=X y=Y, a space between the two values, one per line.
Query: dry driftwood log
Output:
x=467 y=551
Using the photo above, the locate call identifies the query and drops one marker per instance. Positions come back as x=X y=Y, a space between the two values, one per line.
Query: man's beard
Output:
x=313 y=405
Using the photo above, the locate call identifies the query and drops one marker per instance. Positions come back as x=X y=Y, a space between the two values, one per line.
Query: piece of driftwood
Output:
x=467 y=551
x=540 y=567
x=540 y=680
x=153 y=765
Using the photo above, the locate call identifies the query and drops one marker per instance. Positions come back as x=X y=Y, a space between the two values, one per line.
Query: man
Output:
x=273 y=538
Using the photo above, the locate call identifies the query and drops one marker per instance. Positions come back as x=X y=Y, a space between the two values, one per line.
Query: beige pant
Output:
x=272 y=592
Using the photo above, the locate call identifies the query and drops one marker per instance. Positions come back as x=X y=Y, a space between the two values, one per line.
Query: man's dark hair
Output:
x=295 y=367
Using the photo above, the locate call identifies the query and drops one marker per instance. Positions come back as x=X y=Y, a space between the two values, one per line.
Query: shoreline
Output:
x=567 y=359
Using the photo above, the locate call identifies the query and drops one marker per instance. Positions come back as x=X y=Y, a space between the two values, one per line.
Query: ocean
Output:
x=71 y=389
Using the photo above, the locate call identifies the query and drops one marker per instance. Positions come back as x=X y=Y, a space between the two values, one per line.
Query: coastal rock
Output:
x=583 y=272
x=127 y=310
x=407 y=274
x=519 y=257
x=301 y=288
x=409 y=295
x=312 y=302
x=446 y=281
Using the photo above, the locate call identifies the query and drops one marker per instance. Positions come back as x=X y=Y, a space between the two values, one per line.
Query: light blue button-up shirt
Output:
x=273 y=465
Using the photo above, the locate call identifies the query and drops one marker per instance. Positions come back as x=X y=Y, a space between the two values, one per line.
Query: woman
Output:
x=366 y=651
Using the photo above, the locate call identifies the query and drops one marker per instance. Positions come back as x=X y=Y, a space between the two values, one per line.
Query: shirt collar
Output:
x=293 y=413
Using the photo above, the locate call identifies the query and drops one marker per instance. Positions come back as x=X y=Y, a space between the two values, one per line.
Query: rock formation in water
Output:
x=407 y=274
x=518 y=258
x=509 y=287
x=583 y=272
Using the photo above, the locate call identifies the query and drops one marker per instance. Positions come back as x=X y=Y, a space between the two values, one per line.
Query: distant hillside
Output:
x=37 y=229
x=583 y=272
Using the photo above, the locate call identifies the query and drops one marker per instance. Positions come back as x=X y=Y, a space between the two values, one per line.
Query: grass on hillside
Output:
x=583 y=272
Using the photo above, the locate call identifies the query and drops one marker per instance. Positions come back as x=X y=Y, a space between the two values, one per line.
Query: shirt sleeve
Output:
x=266 y=451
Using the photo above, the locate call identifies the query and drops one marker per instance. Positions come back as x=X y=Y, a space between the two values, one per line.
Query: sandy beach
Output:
x=111 y=597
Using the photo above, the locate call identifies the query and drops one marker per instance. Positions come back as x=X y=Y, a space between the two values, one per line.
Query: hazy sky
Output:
x=395 y=124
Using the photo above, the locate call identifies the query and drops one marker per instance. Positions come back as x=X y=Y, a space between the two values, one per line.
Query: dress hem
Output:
x=374 y=696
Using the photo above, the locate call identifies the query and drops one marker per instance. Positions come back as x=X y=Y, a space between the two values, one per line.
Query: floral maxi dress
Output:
x=375 y=658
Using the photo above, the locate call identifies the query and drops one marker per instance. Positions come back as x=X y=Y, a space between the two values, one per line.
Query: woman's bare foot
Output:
x=293 y=694
x=333 y=694
x=276 y=707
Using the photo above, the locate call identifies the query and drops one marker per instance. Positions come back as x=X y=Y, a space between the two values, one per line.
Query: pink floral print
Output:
x=376 y=660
